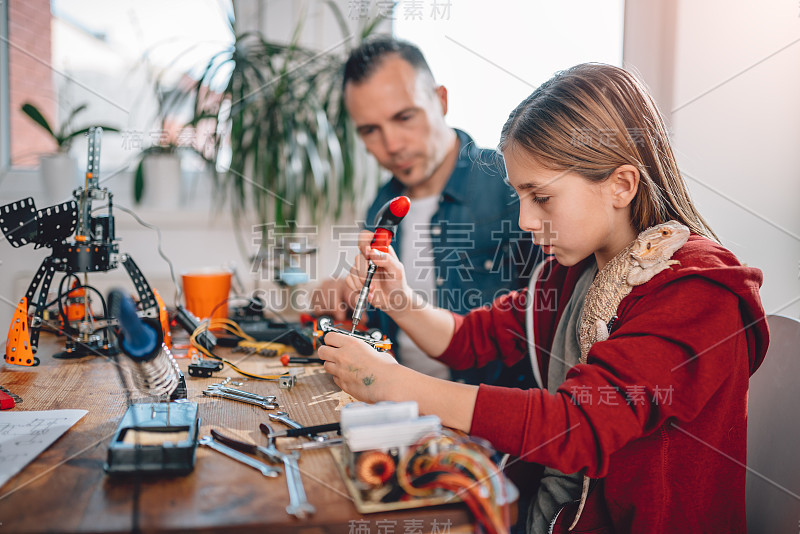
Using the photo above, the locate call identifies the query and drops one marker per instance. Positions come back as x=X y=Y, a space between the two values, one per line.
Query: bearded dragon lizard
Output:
x=648 y=255
x=639 y=262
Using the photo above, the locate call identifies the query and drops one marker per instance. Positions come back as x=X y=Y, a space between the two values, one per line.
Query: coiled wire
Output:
x=157 y=377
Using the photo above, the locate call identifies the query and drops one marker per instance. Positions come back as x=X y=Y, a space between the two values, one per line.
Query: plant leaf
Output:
x=71 y=116
x=138 y=182
x=369 y=28
x=33 y=112
x=65 y=141
x=344 y=28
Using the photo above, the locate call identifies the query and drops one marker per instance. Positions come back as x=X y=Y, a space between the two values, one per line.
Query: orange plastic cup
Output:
x=206 y=292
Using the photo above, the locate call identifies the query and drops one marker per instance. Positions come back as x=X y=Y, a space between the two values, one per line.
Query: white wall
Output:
x=519 y=46
x=728 y=77
x=739 y=143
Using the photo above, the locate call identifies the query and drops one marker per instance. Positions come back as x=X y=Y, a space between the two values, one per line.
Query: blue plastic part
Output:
x=139 y=339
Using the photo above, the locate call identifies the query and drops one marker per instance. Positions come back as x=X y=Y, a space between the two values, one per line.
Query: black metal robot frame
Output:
x=92 y=248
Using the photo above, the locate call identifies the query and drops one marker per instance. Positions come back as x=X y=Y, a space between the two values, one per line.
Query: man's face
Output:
x=399 y=115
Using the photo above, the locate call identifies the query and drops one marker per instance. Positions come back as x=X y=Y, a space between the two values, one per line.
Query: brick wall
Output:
x=31 y=79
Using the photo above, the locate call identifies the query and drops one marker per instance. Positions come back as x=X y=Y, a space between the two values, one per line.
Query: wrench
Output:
x=298 y=502
x=266 y=470
x=283 y=417
x=262 y=403
x=242 y=393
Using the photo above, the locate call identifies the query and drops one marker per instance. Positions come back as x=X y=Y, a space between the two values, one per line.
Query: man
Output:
x=456 y=249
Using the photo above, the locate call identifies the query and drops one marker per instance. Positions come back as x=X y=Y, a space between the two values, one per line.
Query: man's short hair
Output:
x=368 y=56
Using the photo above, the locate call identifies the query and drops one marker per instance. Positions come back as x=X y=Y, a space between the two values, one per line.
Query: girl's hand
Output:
x=357 y=368
x=389 y=290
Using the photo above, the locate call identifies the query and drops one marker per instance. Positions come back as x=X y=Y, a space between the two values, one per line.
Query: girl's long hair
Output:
x=591 y=119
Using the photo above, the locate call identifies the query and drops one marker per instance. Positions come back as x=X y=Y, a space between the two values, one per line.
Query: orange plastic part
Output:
x=18 y=342
x=76 y=304
x=163 y=317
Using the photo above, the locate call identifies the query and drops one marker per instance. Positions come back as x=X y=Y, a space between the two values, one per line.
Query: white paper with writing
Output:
x=25 y=435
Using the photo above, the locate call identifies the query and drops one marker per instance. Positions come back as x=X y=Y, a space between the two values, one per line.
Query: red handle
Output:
x=382 y=239
x=389 y=217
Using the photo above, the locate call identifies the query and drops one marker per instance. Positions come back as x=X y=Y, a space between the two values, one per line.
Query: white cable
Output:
x=178 y=291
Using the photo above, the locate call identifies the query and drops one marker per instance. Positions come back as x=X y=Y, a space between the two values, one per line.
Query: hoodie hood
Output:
x=700 y=256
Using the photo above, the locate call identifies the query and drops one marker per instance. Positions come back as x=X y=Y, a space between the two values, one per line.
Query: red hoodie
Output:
x=658 y=412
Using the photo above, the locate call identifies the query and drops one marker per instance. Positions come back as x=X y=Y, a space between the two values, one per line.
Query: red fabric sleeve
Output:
x=489 y=333
x=645 y=373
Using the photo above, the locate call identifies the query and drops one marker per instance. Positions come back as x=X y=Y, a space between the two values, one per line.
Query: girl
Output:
x=654 y=411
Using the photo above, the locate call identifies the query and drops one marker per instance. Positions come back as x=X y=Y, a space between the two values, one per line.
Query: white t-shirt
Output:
x=416 y=253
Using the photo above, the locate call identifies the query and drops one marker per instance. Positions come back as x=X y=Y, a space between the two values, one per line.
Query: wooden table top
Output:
x=66 y=490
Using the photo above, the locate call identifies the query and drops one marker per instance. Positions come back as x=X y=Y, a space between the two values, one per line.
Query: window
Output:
x=490 y=56
x=109 y=57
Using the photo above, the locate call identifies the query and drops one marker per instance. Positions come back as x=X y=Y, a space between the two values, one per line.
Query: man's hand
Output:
x=332 y=298
x=358 y=369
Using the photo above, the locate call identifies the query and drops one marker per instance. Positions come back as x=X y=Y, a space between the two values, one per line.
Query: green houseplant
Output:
x=165 y=151
x=65 y=133
x=163 y=156
x=59 y=171
x=278 y=109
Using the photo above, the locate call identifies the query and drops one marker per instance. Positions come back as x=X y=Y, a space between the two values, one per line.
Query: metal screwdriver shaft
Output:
x=362 y=297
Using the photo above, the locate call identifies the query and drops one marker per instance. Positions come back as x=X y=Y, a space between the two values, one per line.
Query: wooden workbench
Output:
x=66 y=490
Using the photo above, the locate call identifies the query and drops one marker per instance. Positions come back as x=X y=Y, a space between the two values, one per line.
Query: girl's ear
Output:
x=624 y=183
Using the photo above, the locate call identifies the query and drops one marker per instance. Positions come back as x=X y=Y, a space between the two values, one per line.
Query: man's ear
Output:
x=441 y=93
x=624 y=182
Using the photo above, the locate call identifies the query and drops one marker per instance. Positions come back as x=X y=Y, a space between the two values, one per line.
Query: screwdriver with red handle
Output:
x=389 y=216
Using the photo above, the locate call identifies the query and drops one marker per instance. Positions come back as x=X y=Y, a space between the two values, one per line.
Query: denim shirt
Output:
x=479 y=252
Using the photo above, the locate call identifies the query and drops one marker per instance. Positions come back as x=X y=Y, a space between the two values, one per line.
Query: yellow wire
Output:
x=234 y=328
x=229 y=325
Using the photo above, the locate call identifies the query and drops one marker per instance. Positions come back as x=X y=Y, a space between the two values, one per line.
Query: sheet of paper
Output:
x=24 y=435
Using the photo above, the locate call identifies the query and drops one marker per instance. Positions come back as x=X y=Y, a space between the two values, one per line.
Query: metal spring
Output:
x=158 y=376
